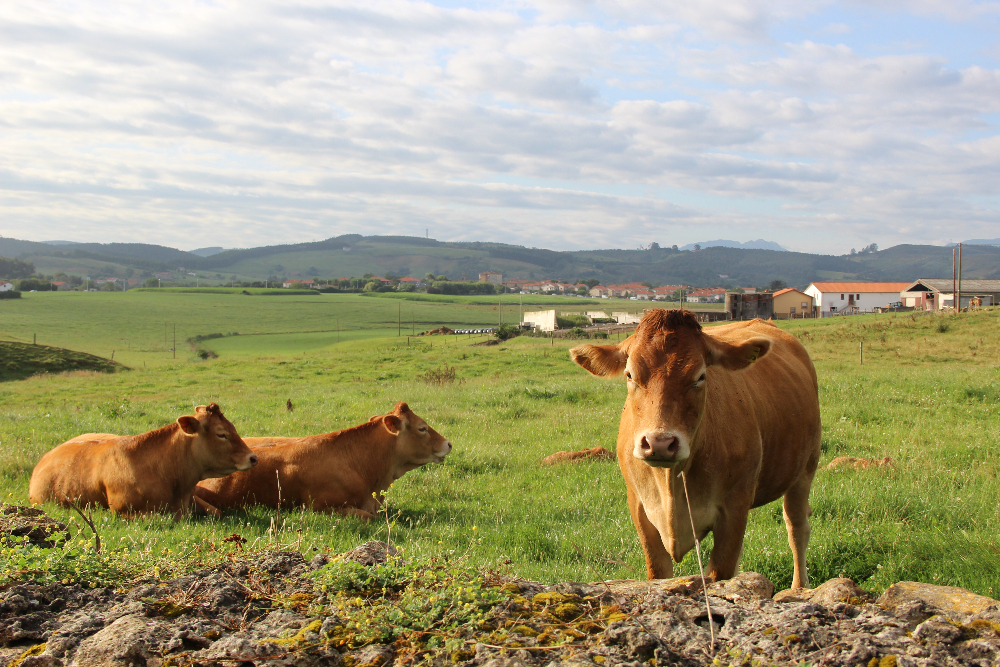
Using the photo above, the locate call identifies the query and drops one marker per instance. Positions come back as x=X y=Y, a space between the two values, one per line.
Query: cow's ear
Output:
x=374 y=417
x=736 y=357
x=189 y=424
x=200 y=409
x=392 y=423
x=602 y=360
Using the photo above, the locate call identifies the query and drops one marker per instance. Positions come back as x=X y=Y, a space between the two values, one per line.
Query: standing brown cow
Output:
x=735 y=408
x=154 y=471
x=343 y=471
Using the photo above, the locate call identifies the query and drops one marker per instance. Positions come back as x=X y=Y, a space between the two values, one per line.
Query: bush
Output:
x=571 y=320
x=507 y=331
x=13 y=294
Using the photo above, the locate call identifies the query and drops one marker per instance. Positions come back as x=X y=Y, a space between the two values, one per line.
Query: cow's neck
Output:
x=170 y=453
x=372 y=452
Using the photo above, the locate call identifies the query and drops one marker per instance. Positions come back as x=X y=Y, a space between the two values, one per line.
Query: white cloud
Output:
x=237 y=124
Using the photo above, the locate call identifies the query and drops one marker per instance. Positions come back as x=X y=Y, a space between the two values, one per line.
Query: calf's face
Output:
x=218 y=448
x=665 y=367
x=416 y=442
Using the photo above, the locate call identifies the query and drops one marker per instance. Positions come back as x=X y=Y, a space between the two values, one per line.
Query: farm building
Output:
x=938 y=293
x=792 y=303
x=6 y=286
x=749 y=306
x=847 y=298
x=494 y=277
x=543 y=320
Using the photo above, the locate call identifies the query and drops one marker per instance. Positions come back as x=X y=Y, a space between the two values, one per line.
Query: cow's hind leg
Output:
x=797 y=512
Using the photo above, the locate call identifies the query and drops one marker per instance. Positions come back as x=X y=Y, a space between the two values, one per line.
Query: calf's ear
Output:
x=392 y=424
x=188 y=424
x=736 y=357
x=602 y=360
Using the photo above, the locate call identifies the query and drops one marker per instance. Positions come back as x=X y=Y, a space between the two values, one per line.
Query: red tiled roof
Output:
x=861 y=287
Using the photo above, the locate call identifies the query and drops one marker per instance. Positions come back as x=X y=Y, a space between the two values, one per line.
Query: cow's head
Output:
x=666 y=365
x=416 y=442
x=217 y=447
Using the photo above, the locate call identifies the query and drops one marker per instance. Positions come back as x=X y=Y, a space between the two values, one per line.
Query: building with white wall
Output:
x=837 y=298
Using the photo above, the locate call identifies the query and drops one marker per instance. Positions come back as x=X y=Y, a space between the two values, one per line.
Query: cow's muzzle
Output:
x=249 y=463
x=661 y=449
x=443 y=451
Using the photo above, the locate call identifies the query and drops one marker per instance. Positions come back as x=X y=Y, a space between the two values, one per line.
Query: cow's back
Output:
x=774 y=402
x=74 y=471
x=320 y=471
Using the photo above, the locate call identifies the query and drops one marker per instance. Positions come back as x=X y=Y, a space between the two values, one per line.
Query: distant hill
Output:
x=759 y=244
x=207 y=252
x=354 y=255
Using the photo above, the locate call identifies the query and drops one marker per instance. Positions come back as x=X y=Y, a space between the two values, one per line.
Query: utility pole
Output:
x=500 y=309
x=175 y=340
x=958 y=299
x=399 y=320
x=954 y=290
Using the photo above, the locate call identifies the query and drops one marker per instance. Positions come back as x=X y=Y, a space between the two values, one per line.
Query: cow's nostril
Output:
x=673 y=445
x=644 y=444
x=253 y=459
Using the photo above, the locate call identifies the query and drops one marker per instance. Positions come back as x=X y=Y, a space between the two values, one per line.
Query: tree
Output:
x=654 y=246
x=12 y=268
x=429 y=277
x=674 y=247
x=697 y=247
x=776 y=285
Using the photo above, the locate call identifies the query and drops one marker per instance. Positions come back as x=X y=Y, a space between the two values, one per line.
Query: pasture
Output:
x=928 y=395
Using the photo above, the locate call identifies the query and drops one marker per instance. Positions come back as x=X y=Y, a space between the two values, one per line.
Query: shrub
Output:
x=13 y=294
x=572 y=320
x=507 y=331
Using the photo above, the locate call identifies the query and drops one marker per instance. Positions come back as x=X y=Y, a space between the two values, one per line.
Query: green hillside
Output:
x=354 y=255
x=21 y=360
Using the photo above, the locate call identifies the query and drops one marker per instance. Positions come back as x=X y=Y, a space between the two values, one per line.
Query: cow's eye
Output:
x=224 y=436
x=700 y=381
x=422 y=429
x=628 y=376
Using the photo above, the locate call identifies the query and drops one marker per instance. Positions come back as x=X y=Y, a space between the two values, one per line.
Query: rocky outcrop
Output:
x=260 y=609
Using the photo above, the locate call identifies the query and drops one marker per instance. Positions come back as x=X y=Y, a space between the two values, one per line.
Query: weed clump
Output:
x=392 y=600
x=440 y=376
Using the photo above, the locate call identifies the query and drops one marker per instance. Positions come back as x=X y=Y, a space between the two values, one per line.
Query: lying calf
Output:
x=154 y=471
x=343 y=471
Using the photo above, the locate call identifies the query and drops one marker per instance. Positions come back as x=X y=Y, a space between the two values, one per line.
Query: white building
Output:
x=543 y=320
x=939 y=293
x=6 y=286
x=833 y=298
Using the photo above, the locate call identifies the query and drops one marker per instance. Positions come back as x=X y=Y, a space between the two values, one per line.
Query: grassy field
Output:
x=928 y=396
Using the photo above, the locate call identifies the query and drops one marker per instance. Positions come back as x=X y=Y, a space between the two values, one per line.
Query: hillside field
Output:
x=928 y=396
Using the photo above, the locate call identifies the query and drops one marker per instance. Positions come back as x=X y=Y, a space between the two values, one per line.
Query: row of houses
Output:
x=822 y=299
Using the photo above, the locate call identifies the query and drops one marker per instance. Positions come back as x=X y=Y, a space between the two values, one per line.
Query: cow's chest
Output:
x=665 y=507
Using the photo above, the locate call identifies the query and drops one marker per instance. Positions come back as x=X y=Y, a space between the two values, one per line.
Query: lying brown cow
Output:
x=142 y=473
x=343 y=471
x=736 y=408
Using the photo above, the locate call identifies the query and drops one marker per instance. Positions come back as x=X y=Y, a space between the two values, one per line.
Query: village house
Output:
x=304 y=283
x=600 y=292
x=410 y=280
x=667 y=292
x=939 y=293
x=790 y=303
x=6 y=286
x=706 y=295
x=494 y=277
x=833 y=298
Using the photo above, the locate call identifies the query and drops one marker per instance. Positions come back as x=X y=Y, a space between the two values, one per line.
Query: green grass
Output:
x=928 y=399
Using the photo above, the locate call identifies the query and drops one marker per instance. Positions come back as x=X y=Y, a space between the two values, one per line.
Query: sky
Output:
x=563 y=124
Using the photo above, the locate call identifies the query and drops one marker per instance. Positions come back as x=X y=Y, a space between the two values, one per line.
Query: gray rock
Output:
x=129 y=641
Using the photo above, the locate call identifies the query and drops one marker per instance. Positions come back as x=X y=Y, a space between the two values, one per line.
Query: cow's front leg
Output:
x=658 y=562
x=728 y=533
